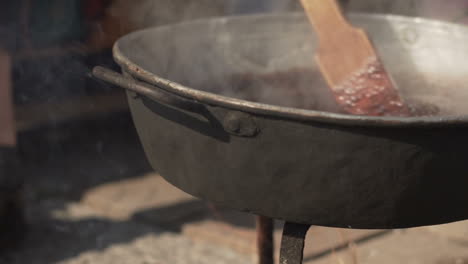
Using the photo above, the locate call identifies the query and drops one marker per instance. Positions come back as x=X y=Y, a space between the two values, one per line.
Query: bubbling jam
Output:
x=306 y=89
x=370 y=91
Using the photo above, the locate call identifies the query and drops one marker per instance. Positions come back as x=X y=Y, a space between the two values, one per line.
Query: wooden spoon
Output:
x=350 y=64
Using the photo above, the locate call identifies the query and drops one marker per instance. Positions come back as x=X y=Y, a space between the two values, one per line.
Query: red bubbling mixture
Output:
x=370 y=91
x=292 y=88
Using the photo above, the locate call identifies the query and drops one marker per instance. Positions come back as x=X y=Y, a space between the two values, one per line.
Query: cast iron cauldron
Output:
x=317 y=166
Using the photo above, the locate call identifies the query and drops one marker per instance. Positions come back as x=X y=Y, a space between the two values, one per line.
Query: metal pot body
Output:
x=301 y=166
x=313 y=173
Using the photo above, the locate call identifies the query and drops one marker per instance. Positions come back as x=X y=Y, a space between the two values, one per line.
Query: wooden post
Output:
x=7 y=123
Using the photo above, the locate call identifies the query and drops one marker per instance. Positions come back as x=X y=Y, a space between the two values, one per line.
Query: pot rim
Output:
x=280 y=111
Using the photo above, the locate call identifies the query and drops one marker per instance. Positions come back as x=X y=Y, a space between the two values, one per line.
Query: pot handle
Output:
x=141 y=88
x=234 y=122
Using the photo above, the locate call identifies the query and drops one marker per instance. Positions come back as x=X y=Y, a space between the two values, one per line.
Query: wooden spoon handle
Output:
x=326 y=17
x=343 y=49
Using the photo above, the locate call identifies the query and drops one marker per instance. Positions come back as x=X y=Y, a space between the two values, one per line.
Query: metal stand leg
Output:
x=265 y=239
x=292 y=243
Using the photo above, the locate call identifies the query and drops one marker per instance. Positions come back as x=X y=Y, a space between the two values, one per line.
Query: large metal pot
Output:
x=304 y=166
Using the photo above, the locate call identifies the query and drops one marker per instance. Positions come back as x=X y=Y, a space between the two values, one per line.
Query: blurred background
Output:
x=88 y=194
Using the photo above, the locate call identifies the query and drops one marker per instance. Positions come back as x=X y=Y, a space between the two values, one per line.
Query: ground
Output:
x=92 y=198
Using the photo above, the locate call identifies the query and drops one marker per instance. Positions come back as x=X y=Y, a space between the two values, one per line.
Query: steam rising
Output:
x=234 y=57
